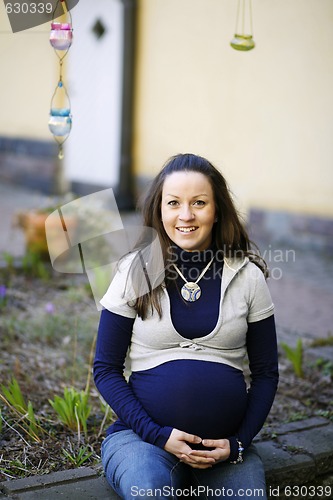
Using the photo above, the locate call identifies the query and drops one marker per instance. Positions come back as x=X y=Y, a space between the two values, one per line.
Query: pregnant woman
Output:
x=186 y=416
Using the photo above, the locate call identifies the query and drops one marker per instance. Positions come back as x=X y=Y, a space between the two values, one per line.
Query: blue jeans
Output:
x=138 y=470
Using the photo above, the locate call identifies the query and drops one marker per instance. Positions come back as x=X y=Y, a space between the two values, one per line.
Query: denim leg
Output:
x=135 y=468
x=236 y=481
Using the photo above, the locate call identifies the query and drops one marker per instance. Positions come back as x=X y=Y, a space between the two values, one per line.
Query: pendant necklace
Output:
x=191 y=291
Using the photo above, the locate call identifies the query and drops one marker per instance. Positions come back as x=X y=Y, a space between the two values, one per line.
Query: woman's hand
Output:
x=219 y=453
x=177 y=444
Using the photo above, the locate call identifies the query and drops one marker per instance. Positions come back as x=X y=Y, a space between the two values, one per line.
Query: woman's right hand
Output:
x=177 y=444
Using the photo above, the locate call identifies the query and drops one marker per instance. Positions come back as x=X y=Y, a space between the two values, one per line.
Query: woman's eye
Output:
x=199 y=202
x=172 y=203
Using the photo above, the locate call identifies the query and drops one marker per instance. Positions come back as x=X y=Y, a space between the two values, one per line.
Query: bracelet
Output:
x=239 y=459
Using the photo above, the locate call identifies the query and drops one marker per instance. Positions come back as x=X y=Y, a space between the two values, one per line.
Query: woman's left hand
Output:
x=220 y=452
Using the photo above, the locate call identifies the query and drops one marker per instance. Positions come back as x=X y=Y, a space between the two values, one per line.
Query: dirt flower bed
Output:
x=47 y=331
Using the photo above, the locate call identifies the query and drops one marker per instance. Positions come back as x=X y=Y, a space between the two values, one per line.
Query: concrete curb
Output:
x=82 y=483
x=298 y=453
x=301 y=453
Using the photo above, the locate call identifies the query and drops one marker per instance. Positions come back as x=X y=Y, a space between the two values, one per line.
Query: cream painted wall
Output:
x=29 y=74
x=264 y=117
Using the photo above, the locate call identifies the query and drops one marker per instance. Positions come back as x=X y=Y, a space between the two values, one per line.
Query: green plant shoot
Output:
x=73 y=409
x=13 y=397
x=295 y=356
x=78 y=458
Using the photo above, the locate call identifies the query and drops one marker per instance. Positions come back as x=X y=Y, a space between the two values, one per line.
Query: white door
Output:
x=94 y=83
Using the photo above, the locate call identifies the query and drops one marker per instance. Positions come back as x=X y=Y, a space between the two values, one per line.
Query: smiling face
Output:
x=188 y=210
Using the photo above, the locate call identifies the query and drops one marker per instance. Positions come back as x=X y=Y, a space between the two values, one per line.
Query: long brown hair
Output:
x=229 y=233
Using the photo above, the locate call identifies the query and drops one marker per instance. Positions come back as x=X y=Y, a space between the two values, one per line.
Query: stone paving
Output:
x=302 y=290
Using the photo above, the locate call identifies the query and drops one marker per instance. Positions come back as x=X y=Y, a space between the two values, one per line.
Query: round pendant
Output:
x=191 y=291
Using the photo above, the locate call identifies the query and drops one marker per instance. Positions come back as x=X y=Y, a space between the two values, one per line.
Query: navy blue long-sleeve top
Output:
x=208 y=399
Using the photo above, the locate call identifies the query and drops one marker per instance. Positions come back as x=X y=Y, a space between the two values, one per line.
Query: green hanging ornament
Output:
x=243 y=38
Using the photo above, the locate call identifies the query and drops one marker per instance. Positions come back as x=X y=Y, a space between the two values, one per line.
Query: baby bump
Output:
x=203 y=398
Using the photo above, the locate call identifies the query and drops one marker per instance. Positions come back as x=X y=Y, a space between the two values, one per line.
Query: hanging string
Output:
x=237 y=16
x=241 y=12
x=251 y=17
x=60 y=121
x=243 y=23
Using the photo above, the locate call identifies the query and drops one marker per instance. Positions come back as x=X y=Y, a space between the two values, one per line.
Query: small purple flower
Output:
x=3 y=297
x=49 y=308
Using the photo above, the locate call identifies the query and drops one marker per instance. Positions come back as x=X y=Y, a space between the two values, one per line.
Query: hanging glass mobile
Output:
x=60 y=120
x=243 y=39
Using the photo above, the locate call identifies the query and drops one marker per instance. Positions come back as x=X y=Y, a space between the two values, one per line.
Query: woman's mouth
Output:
x=186 y=229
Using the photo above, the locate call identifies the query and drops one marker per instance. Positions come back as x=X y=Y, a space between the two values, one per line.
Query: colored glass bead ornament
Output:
x=60 y=121
x=61 y=36
x=242 y=42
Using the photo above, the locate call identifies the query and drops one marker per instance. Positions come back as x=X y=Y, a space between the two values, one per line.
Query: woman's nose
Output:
x=186 y=213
